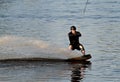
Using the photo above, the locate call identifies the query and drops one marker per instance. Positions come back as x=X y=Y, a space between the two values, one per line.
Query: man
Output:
x=74 y=40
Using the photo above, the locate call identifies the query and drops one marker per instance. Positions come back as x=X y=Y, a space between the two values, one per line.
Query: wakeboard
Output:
x=81 y=58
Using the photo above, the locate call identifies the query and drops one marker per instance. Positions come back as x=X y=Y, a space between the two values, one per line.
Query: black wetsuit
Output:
x=74 y=40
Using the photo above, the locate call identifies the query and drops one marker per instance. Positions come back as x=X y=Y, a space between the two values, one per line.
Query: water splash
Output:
x=24 y=47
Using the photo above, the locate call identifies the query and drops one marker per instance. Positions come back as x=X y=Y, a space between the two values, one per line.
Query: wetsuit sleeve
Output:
x=79 y=34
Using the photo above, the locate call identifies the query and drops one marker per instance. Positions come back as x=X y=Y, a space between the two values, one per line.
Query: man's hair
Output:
x=73 y=27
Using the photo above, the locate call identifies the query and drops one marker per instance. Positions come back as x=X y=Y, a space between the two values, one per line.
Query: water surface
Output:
x=39 y=29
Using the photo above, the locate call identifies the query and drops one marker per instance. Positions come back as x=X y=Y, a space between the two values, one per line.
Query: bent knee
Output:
x=81 y=47
x=70 y=47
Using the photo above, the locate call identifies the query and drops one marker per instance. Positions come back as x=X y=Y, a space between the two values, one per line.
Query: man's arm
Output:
x=79 y=34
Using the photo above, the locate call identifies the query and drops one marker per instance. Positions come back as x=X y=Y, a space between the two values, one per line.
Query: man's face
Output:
x=73 y=31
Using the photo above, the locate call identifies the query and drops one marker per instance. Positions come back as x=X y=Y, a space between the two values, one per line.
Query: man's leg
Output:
x=70 y=47
x=82 y=49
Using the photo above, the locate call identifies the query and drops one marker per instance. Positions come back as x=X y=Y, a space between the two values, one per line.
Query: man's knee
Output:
x=81 y=47
x=70 y=47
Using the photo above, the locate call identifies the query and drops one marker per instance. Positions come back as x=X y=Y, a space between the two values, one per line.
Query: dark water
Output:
x=38 y=28
x=39 y=71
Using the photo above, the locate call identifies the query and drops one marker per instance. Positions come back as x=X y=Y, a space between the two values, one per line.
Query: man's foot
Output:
x=83 y=52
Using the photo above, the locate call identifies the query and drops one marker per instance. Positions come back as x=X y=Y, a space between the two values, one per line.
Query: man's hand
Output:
x=70 y=47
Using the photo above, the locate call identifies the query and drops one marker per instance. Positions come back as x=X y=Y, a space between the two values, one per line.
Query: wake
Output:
x=14 y=47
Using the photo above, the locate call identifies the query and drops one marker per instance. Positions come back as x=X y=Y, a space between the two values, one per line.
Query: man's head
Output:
x=73 y=29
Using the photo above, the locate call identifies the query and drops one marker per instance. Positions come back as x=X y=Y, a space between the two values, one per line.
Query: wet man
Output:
x=74 y=40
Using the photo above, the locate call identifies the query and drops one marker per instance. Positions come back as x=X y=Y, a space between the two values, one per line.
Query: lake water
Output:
x=38 y=28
